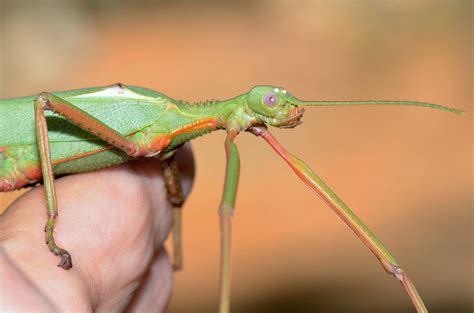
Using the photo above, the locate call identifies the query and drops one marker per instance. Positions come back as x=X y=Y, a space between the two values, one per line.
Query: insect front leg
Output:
x=175 y=195
x=306 y=174
x=49 y=102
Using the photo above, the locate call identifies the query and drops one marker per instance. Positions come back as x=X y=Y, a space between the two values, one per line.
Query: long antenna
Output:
x=298 y=102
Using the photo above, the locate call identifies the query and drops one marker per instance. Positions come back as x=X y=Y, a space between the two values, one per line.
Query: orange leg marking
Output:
x=207 y=123
x=158 y=143
x=79 y=156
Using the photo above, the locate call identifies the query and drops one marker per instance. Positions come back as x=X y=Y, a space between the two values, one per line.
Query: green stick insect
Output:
x=87 y=129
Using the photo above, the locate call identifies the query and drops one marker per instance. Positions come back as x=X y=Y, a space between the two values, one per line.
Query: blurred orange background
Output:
x=407 y=172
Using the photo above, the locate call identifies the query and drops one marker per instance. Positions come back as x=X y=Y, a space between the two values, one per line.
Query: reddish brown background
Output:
x=407 y=172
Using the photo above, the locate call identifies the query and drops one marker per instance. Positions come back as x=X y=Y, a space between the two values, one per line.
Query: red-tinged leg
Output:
x=315 y=183
x=50 y=191
x=226 y=209
x=176 y=198
x=49 y=102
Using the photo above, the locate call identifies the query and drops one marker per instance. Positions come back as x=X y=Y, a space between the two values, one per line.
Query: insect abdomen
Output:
x=16 y=173
x=20 y=167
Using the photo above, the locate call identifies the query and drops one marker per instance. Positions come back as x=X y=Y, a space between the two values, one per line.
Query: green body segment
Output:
x=126 y=109
x=144 y=122
x=130 y=111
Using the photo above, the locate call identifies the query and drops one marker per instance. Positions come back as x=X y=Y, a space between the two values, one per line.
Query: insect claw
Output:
x=66 y=261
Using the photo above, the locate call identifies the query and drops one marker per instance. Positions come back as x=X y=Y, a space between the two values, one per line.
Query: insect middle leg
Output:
x=226 y=210
x=176 y=198
x=49 y=102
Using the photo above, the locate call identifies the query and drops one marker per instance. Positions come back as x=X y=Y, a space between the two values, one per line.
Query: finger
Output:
x=103 y=216
x=154 y=292
x=104 y=222
x=19 y=294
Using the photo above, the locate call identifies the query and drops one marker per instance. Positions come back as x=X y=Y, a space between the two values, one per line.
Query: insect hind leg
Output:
x=41 y=103
x=49 y=102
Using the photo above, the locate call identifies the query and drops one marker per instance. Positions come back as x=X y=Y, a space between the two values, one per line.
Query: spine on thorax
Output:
x=186 y=121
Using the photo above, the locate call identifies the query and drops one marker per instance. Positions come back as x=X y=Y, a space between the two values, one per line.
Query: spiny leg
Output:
x=49 y=102
x=345 y=213
x=226 y=210
x=176 y=198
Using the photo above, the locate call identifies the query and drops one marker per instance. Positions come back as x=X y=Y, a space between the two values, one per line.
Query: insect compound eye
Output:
x=270 y=99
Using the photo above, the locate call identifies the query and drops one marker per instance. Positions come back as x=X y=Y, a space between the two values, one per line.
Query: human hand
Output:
x=113 y=222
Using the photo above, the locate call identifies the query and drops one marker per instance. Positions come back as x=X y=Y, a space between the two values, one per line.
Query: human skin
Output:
x=114 y=222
